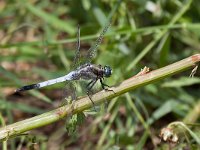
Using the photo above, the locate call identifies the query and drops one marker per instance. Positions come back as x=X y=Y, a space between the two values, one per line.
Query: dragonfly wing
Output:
x=76 y=61
x=69 y=92
x=92 y=51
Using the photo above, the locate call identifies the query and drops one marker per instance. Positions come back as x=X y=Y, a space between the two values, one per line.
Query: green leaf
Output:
x=20 y=106
x=164 y=109
x=184 y=81
x=51 y=19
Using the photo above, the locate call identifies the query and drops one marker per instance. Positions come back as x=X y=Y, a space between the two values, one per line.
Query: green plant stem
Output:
x=150 y=30
x=85 y=103
x=193 y=114
x=179 y=126
x=159 y=35
x=4 y=145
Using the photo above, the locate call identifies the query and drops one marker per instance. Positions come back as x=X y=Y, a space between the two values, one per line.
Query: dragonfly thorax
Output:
x=107 y=71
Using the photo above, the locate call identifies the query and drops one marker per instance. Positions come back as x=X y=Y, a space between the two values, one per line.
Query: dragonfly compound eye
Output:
x=107 y=71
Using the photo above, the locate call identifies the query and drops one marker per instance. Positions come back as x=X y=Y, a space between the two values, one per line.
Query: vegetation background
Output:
x=38 y=41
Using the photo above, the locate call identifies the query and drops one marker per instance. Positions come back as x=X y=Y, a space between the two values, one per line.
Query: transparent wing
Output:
x=76 y=61
x=69 y=92
x=92 y=51
x=72 y=121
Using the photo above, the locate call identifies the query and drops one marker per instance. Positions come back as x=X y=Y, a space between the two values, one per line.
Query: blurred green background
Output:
x=38 y=41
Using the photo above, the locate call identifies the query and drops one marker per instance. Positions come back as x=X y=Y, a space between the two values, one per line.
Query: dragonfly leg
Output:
x=103 y=85
x=89 y=95
x=90 y=83
x=89 y=87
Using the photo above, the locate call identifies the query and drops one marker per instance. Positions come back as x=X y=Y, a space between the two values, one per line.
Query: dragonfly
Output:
x=82 y=70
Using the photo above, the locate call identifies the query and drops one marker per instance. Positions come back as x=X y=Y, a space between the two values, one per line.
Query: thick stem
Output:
x=85 y=103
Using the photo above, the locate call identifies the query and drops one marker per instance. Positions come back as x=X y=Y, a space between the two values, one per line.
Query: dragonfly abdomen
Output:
x=28 y=87
x=67 y=77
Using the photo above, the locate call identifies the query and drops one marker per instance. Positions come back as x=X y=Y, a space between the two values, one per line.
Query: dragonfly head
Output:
x=107 y=71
